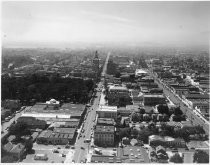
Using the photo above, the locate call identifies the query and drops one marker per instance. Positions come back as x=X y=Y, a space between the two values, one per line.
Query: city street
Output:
x=81 y=153
x=5 y=126
x=196 y=120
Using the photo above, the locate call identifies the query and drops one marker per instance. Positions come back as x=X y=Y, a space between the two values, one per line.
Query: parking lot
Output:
x=48 y=149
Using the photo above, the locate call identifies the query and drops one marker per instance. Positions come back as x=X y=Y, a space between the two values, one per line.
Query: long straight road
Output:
x=195 y=119
x=81 y=154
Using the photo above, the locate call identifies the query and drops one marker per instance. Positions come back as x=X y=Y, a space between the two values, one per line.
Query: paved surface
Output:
x=195 y=119
x=80 y=154
x=6 y=125
x=47 y=149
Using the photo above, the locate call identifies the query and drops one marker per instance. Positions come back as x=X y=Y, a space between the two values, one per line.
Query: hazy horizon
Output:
x=48 y=23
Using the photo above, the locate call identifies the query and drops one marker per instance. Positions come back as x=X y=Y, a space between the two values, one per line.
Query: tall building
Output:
x=96 y=64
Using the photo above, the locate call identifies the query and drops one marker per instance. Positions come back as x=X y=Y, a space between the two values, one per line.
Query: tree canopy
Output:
x=176 y=158
x=19 y=129
x=201 y=157
x=42 y=88
x=163 y=108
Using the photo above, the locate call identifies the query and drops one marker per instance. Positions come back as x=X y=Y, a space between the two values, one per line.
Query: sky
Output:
x=123 y=21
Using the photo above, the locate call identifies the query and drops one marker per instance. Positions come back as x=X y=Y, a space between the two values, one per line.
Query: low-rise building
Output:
x=60 y=136
x=32 y=122
x=155 y=140
x=107 y=111
x=105 y=121
x=104 y=135
x=17 y=150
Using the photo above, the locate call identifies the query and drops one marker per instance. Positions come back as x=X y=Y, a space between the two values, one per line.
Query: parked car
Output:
x=55 y=151
x=40 y=157
x=82 y=148
x=67 y=146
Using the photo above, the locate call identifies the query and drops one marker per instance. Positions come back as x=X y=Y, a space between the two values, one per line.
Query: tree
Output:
x=201 y=157
x=176 y=158
x=29 y=145
x=19 y=129
x=134 y=132
x=165 y=117
x=117 y=75
x=178 y=111
x=122 y=102
x=124 y=132
x=142 y=111
x=163 y=108
x=144 y=135
x=135 y=117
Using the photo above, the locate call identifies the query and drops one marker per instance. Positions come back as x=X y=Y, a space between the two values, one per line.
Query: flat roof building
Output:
x=107 y=111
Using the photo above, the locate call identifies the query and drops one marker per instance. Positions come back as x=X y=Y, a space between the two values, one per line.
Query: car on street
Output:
x=55 y=151
x=67 y=146
x=72 y=147
x=82 y=148
x=7 y=119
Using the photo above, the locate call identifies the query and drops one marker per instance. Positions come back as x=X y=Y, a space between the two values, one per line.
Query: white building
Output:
x=140 y=72
x=107 y=111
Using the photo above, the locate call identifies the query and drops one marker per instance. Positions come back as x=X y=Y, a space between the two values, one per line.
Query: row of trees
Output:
x=185 y=132
x=162 y=109
x=198 y=157
x=42 y=88
x=165 y=130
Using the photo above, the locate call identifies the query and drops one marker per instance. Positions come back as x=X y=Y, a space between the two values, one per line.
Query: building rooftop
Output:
x=110 y=129
x=47 y=115
x=105 y=121
x=118 y=88
x=197 y=96
x=52 y=134
x=65 y=130
x=107 y=108
x=73 y=107
x=133 y=154
x=159 y=96
x=17 y=148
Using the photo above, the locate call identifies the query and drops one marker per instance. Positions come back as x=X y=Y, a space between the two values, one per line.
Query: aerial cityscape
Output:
x=105 y=82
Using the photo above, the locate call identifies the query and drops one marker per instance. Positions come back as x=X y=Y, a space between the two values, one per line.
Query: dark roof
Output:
x=65 y=130
x=100 y=128
x=197 y=96
x=105 y=121
x=8 y=146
